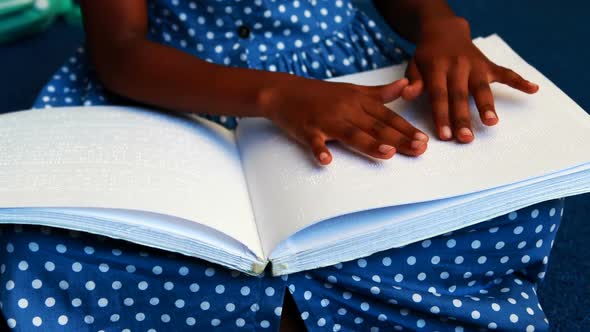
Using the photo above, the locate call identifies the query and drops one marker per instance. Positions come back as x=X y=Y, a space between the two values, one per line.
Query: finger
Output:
x=361 y=141
x=317 y=143
x=507 y=76
x=479 y=87
x=438 y=96
x=416 y=86
x=459 y=101
x=390 y=136
x=394 y=120
x=386 y=93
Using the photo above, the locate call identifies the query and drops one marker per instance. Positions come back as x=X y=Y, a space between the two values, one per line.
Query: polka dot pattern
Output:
x=403 y=287
x=311 y=38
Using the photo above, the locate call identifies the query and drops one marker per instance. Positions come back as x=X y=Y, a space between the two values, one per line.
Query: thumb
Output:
x=388 y=92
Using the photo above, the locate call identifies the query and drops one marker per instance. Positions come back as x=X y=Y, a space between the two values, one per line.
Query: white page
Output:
x=125 y=158
x=537 y=134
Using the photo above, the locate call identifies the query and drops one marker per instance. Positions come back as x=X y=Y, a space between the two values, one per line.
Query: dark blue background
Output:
x=552 y=36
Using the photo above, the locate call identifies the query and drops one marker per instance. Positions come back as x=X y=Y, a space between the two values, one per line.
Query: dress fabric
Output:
x=477 y=278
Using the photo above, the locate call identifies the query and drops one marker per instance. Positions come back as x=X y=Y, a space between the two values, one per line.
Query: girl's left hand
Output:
x=450 y=68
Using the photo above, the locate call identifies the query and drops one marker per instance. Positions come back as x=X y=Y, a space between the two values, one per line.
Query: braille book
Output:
x=248 y=198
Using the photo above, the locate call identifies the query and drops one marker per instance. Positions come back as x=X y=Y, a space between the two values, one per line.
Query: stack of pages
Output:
x=248 y=198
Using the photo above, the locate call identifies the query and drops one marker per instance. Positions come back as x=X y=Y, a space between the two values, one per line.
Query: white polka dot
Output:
x=165 y=318
x=23 y=265
x=62 y=320
x=49 y=302
x=365 y=306
x=205 y=305
x=459 y=260
x=513 y=318
x=492 y=326
x=534 y=213
x=482 y=259
x=61 y=248
x=190 y=321
x=11 y=323
x=451 y=243
x=37 y=321
x=435 y=260
x=33 y=246
x=495 y=306
x=23 y=303
x=168 y=285
x=375 y=290
x=416 y=298
x=362 y=263
x=347 y=295
x=194 y=287
x=220 y=289
x=88 y=319
x=36 y=284
x=264 y=324
x=421 y=276
x=76 y=267
x=518 y=230
x=475 y=314
x=116 y=285
x=530 y=328
x=475 y=244
x=269 y=291
x=512 y=215
x=457 y=303
x=240 y=322
x=411 y=260
x=209 y=272
x=90 y=285
x=307 y=295
x=157 y=270
x=179 y=303
x=444 y=275
x=398 y=277
x=49 y=266
x=103 y=267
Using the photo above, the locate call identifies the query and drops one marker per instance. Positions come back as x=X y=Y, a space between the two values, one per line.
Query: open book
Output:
x=248 y=198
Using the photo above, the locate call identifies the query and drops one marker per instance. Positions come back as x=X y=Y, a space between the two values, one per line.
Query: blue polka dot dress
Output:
x=483 y=277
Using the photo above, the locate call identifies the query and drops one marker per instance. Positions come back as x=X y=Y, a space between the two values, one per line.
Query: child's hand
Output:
x=314 y=112
x=450 y=68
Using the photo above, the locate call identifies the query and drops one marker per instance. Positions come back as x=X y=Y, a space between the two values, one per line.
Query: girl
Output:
x=228 y=59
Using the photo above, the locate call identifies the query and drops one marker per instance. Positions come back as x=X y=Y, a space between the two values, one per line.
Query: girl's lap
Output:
x=481 y=276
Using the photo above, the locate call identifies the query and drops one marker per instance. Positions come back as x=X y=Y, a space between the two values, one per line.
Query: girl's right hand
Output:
x=314 y=112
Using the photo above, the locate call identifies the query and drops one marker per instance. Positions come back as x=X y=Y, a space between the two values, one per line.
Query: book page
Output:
x=126 y=158
x=537 y=134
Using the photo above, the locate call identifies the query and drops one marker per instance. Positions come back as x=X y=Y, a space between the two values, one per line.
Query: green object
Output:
x=19 y=18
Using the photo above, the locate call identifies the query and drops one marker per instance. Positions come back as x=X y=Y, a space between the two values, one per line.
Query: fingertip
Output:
x=532 y=87
x=489 y=118
x=324 y=158
x=445 y=133
x=465 y=135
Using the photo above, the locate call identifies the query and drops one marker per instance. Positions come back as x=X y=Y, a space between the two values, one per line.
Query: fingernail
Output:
x=489 y=115
x=385 y=149
x=421 y=137
x=465 y=132
x=445 y=132
x=533 y=85
x=324 y=156
x=417 y=145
